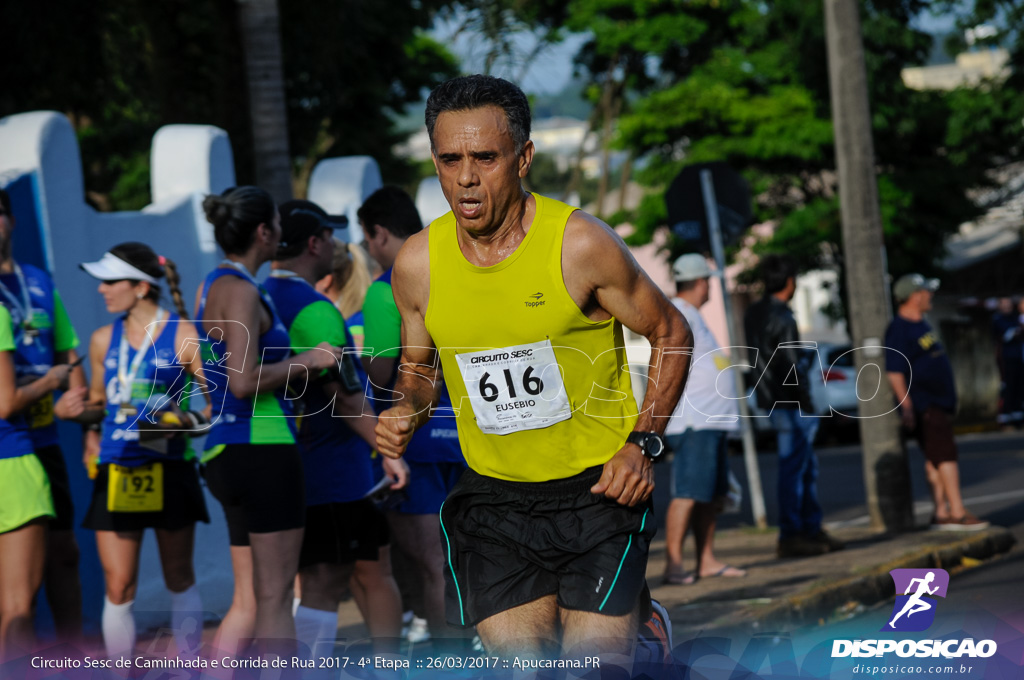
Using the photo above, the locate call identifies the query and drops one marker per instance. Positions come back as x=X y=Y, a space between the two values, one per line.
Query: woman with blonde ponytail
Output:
x=352 y=272
x=146 y=475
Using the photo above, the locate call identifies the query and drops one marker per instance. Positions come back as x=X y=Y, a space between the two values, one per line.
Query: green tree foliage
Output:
x=351 y=68
x=511 y=33
x=1006 y=16
x=121 y=69
x=747 y=82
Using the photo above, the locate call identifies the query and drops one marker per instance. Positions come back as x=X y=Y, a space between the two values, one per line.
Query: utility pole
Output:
x=264 y=68
x=886 y=472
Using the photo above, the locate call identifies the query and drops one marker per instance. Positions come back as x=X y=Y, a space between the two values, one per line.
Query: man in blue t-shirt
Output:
x=922 y=380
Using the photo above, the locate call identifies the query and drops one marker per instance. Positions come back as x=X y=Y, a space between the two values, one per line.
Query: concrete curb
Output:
x=818 y=604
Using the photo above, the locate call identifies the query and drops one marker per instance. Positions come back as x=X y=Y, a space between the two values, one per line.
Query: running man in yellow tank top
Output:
x=520 y=301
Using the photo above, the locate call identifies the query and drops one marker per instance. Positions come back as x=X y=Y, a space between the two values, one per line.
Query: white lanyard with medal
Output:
x=126 y=374
x=138 y=489
x=23 y=307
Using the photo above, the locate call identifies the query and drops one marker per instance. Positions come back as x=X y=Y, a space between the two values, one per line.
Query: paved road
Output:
x=984 y=601
x=991 y=469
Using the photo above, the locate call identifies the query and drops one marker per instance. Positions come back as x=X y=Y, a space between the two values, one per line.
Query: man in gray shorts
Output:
x=697 y=434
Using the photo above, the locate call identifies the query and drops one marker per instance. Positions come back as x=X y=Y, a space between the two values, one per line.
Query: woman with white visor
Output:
x=144 y=366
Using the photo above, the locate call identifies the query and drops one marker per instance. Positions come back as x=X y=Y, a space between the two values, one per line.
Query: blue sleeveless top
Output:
x=35 y=358
x=14 y=439
x=335 y=460
x=266 y=419
x=160 y=377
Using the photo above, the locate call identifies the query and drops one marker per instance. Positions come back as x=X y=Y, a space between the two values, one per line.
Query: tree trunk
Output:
x=886 y=473
x=627 y=171
x=323 y=143
x=610 y=104
x=576 y=178
x=261 y=42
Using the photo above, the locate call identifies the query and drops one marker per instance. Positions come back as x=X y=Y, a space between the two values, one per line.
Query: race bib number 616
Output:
x=517 y=388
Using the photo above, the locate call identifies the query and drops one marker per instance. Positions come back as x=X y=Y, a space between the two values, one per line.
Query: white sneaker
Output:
x=407 y=618
x=477 y=645
x=418 y=630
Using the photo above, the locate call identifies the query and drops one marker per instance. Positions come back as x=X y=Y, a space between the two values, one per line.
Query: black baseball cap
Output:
x=302 y=219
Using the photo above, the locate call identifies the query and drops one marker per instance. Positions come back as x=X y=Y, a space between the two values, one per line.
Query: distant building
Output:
x=559 y=137
x=969 y=70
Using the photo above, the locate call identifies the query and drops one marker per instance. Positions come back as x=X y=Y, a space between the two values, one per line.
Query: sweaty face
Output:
x=479 y=170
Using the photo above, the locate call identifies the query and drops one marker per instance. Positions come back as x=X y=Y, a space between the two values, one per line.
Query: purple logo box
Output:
x=915 y=605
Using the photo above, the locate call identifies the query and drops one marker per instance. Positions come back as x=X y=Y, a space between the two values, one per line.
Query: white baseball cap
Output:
x=691 y=267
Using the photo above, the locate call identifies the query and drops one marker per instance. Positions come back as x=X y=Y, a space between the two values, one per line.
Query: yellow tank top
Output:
x=540 y=390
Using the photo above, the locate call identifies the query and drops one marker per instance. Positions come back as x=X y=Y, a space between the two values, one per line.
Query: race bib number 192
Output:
x=513 y=389
x=139 y=489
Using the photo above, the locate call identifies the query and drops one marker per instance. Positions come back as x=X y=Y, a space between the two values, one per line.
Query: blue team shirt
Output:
x=438 y=440
x=265 y=419
x=14 y=438
x=36 y=358
x=160 y=377
x=335 y=460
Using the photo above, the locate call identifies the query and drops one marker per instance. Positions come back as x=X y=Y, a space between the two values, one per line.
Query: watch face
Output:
x=654 y=446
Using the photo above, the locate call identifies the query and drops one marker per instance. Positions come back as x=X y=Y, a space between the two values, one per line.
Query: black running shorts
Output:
x=509 y=543
x=56 y=468
x=261 y=488
x=183 y=502
x=341 y=533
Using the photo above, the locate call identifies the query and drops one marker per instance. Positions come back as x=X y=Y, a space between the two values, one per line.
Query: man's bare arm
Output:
x=623 y=290
x=380 y=369
x=418 y=382
x=605 y=280
x=898 y=382
x=77 y=376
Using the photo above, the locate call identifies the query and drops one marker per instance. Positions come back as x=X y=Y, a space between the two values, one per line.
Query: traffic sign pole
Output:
x=746 y=424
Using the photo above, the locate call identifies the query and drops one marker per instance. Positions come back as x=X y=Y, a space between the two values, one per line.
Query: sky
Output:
x=552 y=71
x=548 y=74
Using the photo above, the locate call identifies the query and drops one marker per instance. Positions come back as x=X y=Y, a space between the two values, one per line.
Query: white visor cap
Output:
x=112 y=268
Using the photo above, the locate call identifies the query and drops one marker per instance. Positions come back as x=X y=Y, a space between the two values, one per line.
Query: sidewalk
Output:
x=785 y=594
x=790 y=593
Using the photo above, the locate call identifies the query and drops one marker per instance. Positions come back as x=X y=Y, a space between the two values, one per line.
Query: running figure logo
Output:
x=914 y=611
x=184 y=390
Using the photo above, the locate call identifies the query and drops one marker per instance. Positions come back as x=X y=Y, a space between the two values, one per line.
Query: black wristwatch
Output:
x=652 y=445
